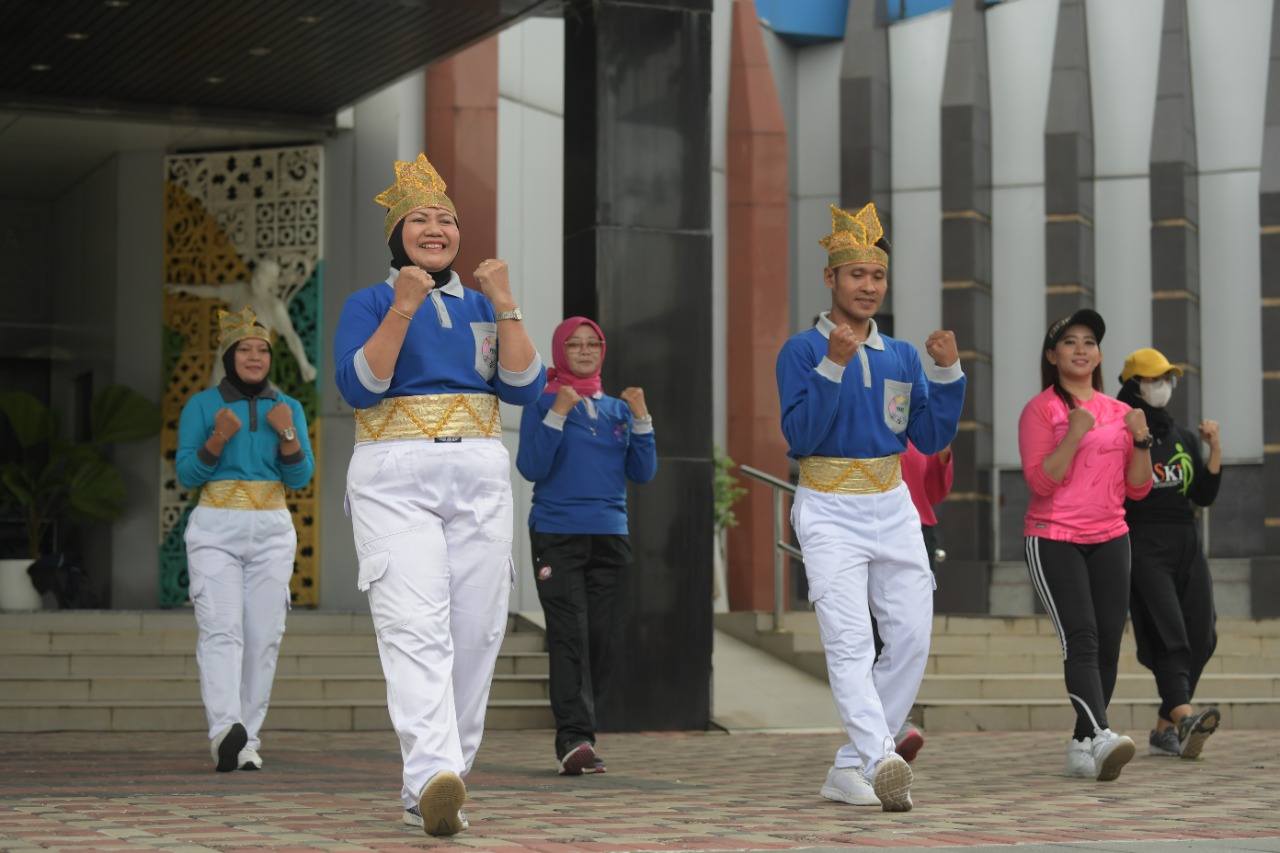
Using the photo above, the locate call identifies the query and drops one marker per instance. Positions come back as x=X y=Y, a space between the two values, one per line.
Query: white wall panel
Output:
x=1017 y=272
x=531 y=219
x=1019 y=66
x=1230 y=43
x=817 y=137
x=915 y=267
x=917 y=64
x=809 y=294
x=1124 y=60
x=1122 y=253
x=1230 y=295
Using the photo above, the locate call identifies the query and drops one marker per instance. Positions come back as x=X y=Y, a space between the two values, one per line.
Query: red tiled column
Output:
x=462 y=143
x=757 y=315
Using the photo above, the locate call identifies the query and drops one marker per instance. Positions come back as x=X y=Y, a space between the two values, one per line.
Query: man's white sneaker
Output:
x=440 y=804
x=1111 y=752
x=1079 y=763
x=848 y=785
x=891 y=783
x=413 y=817
x=226 y=747
x=249 y=759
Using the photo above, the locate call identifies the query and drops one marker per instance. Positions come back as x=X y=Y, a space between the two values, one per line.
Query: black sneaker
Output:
x=579 y=757
x=1194 y=730
x=597 y=766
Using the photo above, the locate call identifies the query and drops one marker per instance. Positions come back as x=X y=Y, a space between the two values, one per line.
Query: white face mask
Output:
x=1156 y=392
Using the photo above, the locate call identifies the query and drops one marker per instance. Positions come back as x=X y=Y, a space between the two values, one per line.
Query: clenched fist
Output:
x=941 y=346
x=566 y=398
x=226 y=422
x=1080 y=420
x=1209 y=433
x=492 y=276
x=412 y=287
x=634 y=398
x=1136 y=421
x=842 y=344
x=280 y=417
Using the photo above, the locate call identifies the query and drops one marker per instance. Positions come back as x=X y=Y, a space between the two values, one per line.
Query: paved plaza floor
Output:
x=663 y=791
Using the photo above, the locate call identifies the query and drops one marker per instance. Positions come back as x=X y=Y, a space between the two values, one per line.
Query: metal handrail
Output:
x=780 y=545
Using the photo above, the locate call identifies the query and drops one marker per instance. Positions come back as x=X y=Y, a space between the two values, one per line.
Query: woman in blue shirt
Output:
x=579 y=447
x=424 y=362
x=241 y=443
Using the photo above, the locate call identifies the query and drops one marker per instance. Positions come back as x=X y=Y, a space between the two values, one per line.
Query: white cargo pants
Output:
x=433 y=527
x=239 y=562
x=865 y=554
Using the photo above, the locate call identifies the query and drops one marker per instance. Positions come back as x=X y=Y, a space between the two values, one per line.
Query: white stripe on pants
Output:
x=433 y=527
x=238 y=565
x=860 y=552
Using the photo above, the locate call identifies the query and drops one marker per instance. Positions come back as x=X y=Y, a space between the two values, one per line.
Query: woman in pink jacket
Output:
x=1083 y=453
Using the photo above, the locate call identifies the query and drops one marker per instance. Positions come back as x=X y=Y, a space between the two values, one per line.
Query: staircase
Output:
x=988 y=673
x=136 y=671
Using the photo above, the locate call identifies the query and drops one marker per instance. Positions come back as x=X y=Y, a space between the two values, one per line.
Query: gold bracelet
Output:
x=220 y=435
x=401 y=313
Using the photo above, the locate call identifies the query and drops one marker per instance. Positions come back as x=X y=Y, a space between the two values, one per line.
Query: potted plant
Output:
x=726 y=493
x=54 y=481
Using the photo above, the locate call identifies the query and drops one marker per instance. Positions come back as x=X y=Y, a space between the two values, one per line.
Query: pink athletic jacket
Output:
x=1087 y=507
x=928 y=479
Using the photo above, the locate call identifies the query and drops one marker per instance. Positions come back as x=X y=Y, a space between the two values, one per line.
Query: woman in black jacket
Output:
x=1171 y=595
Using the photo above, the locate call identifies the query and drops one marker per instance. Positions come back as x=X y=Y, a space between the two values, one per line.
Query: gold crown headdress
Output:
x=418 y=184
x=235 y=326
x=853 y=238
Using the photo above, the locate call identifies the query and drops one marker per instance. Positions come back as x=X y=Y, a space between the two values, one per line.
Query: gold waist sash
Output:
x=243 y=494
x=835 y=475
x=430 y=416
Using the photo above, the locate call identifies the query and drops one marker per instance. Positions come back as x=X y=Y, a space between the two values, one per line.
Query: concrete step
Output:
x=995 y=673
x=136 y=671
x=170 y=715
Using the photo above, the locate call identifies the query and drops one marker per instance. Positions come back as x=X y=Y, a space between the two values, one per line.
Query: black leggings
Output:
x=1085 y=591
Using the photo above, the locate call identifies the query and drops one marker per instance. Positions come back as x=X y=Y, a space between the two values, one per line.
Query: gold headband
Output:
x=853 y=238
x=236 y=326
x=417 y=185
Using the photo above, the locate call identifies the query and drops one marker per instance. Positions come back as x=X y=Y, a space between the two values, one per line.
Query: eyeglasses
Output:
x=575 y=346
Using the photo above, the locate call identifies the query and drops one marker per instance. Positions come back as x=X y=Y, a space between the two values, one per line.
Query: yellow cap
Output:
x=1147 y=363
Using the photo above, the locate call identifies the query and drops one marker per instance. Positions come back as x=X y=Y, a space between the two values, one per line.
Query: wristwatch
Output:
x=1146 y=443
x=289 y=434
x=513 y=314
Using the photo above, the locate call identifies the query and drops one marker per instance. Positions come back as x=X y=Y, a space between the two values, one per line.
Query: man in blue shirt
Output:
x=851 y=398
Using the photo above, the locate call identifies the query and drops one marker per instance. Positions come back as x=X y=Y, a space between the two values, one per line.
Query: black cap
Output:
x=1083 y=317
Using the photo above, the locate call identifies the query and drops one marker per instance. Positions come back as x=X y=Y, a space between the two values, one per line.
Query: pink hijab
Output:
x=586 y=386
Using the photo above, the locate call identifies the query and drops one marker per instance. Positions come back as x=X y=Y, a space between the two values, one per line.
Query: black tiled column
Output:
x=965 y=519
x=865 y=115
x=637 y=258
x=1175 y=216
x=1068 y=170
x=1265 y=586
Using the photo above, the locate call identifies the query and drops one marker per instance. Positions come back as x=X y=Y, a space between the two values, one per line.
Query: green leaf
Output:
x=119 y=413
x=33 y=423
x=96 y=491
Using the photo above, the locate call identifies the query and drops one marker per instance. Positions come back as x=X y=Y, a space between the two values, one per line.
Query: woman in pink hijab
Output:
x=579 y=447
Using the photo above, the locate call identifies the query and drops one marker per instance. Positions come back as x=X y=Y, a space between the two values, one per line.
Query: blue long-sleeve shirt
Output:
x=579 y=465
x=451 y=347
x=870 y=407
x=253 y=453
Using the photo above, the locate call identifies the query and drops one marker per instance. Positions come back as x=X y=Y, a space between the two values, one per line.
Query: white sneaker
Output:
x=226 y=747
x=413 y=817
x=848 y=785
x=1111 y=752
x=1079 y=762
x=891 y=783
x=440 y=804
x=249 y=759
